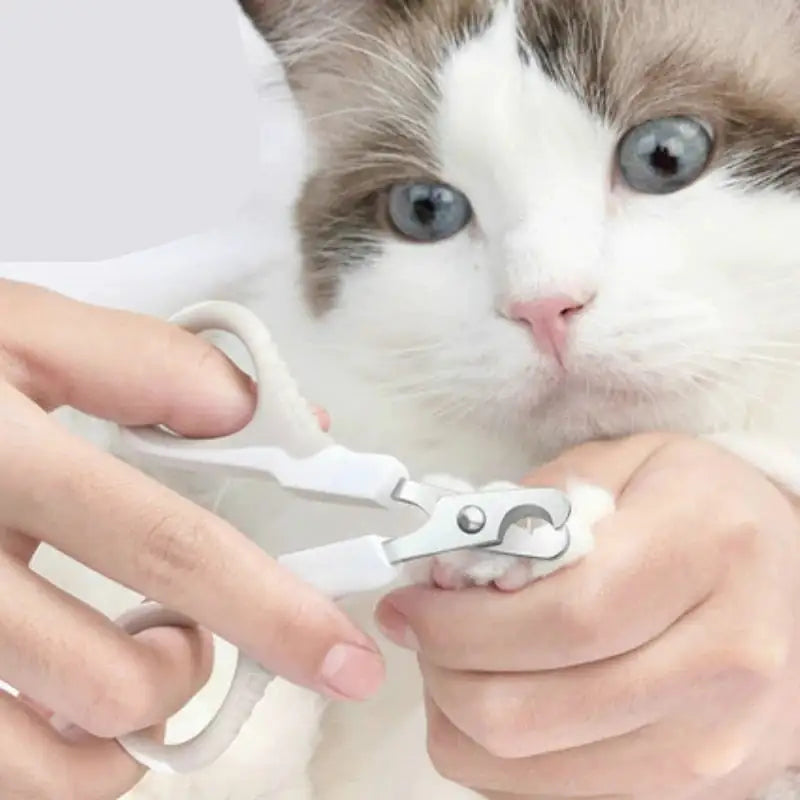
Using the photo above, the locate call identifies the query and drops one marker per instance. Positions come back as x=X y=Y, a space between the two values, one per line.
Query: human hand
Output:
x=664 y=666
x=54 y=487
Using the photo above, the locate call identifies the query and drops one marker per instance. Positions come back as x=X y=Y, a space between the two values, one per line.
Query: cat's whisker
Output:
x=760 y=358
x=383 y=46
x=405 y=161
x=383 y=101
x=349 y=111
x=766 y=343
x=718 y=382
x=417 y=81
x=383 y=98
x=369 y=122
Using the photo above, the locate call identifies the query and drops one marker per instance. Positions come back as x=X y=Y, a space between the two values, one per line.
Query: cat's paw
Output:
x=464 y=568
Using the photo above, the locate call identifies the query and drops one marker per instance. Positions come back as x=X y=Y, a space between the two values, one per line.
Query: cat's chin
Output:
x=586 y=392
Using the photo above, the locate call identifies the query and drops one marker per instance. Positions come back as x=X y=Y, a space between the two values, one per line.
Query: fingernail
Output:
x=395 y=627
x=352 y=672
x=323 y=418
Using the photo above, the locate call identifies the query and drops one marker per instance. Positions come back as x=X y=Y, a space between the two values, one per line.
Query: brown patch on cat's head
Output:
x=365 y=73
x=732 y=63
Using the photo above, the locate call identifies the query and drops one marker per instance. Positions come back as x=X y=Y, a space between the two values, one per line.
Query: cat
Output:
x=524 y=225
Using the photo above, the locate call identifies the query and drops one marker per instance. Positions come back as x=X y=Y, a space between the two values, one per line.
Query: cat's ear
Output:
x=276 y=19
x=329 y=51
x=271 y=16
x=368 y=58
x=297 y=29
x=305 y=33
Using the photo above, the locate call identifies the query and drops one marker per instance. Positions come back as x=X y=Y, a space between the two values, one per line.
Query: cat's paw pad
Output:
x=464 y=568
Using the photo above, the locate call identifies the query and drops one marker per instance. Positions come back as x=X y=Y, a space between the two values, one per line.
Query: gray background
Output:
x=123 y=125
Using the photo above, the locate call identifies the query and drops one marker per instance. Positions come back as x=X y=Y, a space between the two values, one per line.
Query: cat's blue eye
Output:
x=428 y=212
x=665 y=155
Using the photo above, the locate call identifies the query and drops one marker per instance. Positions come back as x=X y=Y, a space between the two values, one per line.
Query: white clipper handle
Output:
x=337 y=570
x=282 y=416
x=248 y=686
x=297 y=454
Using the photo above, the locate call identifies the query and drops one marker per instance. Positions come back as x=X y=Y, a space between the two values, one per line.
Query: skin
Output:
x=55 y=488
x=665 y=665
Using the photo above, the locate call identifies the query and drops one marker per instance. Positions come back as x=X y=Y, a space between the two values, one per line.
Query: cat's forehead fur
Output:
x=366 y=73
x=632 y=58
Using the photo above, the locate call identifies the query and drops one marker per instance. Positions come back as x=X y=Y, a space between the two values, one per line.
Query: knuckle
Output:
x=686 y=767
x=171 y=548
x=754 y=663
x=122 y=699
x=743 y=537
x=498 y=721
x=293 y=623
x=582 y=620
x=505 y=746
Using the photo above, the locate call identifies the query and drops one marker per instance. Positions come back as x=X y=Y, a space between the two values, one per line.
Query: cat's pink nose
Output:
x=548 y=319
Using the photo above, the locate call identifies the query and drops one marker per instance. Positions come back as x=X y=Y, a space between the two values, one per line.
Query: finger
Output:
x=118 y=365
x=107 y=515
x=35 y=762
x=73 y=661
x=654 y=762
x=518 y=715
